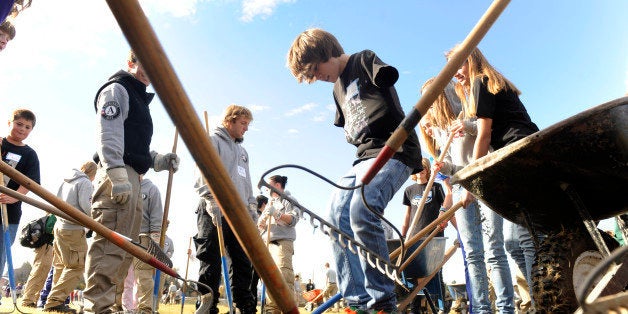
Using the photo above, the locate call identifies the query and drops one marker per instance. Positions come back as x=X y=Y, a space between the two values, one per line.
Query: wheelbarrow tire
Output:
x=553 y=271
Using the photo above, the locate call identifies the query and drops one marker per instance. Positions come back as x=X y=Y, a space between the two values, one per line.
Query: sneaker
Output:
x=61 y=308
x=354 y=310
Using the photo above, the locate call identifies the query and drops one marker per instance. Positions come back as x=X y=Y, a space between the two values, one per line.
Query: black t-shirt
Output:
x=25 y=160
x=309 y=287
x=511 y=121
x=435 y=198
x=367 y=107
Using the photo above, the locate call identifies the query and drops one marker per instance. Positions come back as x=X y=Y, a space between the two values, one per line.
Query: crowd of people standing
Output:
x=481 y=107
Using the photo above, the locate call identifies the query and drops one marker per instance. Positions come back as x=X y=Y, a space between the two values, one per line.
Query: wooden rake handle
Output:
x=143 y=40
x=85 y=220
x=431 y=93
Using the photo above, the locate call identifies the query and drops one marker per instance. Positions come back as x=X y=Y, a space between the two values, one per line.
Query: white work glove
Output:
x=169 y=161
x=275 y=210
x=211 y=207
x=120 y=185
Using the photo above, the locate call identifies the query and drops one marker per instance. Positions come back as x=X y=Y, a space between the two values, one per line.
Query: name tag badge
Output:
x=13 y=157
x=241 y=171
x=352 y=90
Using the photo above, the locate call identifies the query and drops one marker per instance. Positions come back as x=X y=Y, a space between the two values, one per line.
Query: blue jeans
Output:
x=520 y=246
x=361 y=285
x=478 y=224
x=511 y=243
x=3 y=253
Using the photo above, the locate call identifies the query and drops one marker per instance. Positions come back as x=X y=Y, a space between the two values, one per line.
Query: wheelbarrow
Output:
x=560 y=182
x=313 y=298
x=426 y=262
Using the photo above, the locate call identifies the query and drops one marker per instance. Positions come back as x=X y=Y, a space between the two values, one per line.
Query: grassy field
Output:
x=188 y=308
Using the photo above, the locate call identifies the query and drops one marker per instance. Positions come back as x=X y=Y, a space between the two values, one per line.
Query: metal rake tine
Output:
x=362 y=253
x=393 y=275
x=328 y=231
x=313 y=221
x=373 y=261
x=381 y=268
x=341 y=242
x=352 y=248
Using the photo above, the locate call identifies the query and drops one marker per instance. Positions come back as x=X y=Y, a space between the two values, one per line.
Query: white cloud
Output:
x=293 y=131
x=179 y=8
x=257 y=108
x=263 y=8
x=302 y=109
x=320 y=117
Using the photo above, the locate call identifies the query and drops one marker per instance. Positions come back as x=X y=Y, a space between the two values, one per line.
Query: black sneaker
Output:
x=61 y=308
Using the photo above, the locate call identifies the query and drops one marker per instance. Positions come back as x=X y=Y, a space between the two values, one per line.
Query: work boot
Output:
x=247 y=307
x=61 y=308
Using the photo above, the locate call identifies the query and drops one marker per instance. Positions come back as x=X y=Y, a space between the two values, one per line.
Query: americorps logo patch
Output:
x=110 y=110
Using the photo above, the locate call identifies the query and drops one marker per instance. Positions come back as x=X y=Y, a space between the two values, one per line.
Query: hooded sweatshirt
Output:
x=236 y=160
x=152 y=210
x=460 y=151
x=77 y=190
x=280 y=230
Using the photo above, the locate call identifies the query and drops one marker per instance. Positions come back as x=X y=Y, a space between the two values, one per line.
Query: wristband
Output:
x=443 y=209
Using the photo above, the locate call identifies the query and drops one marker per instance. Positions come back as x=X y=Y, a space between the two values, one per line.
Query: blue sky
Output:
x=565 y=56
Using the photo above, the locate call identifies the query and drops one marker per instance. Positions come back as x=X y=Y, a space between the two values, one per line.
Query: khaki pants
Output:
x=37 y=277
x=282 y=252
x=144 y=281
x=523 y=290
x=70 y=248
x=162 y=282
x=107 y=264
x=330 y=291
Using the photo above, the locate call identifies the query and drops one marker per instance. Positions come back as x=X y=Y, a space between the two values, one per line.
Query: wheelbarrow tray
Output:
x=426 y=261
x=588 y=151
x=312 y=295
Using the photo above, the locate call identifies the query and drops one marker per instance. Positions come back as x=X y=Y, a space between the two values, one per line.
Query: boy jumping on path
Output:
x=368 y=109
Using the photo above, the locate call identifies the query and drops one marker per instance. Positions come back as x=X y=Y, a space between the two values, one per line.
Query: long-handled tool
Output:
x=327 y=304
x=187 y=267
x=142 y=38
x=416 y=252
x=431 y=93
x=423 y=281
x=164 y=226
x=7 y=248
x=55 y=211
x=430 y=182
x=152 y=256
x=225 y=267
x=221 y=244
x=415 y=238
x=263 y=301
